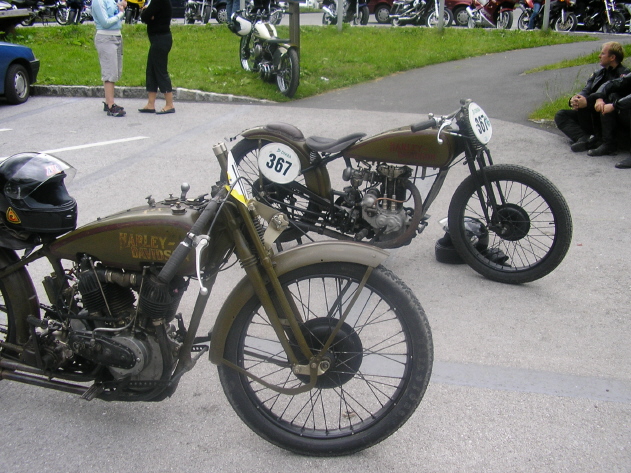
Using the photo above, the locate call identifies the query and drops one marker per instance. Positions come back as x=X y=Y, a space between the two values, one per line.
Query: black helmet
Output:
x=33 y=197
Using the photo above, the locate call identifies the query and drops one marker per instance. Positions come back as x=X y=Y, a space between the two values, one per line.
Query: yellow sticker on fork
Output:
x=238 y=191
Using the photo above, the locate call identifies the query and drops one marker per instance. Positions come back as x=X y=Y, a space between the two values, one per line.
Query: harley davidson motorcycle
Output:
x=418 y=12
x=261 y=51
x=491 y=13
x=320 y=349
x=562 y=17
x=355 y=12
x=508 y=222
x=600 y=15
x=204 y=10
x=44 y=11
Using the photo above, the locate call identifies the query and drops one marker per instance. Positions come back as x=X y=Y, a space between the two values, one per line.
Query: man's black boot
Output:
x=603 y=150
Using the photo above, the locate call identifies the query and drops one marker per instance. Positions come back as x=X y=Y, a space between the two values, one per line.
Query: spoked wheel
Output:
x=246 y=53
x=372 y=377
x=617 y=23
x=522 y=22
x=505 y=20
x=288 y=73
x=292 y=201
x=327 y=19
x=569 y=24
x=61 y=15
x=530 y=229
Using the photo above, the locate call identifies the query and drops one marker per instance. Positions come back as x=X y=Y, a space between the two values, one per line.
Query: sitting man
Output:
x=613 y=102
x=582 y=121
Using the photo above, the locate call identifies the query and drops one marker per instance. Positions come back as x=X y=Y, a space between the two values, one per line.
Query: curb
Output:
x=179 y=94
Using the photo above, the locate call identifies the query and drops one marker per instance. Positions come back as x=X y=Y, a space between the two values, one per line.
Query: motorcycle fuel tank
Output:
x=131 y=239
x=402 y=146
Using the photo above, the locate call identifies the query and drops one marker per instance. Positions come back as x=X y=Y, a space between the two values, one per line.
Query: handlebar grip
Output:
x=181 y=252
x=423 y=125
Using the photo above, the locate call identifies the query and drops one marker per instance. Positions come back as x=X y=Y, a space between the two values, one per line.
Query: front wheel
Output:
x=530 y=227
x=432 y=18
x=382 y=14
x=288 y=73
x=17 y=86
x=373 y=376
x=61 y=15
x=524 y=18
x=461 y=17
x=246 y=54
x=569 y=24
x=617 y=23
x=504 y=20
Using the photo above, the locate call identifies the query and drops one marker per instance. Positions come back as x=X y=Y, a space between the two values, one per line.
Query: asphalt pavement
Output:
x=530 y=378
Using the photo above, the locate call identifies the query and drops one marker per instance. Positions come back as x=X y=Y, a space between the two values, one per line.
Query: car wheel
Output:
x=382 y=14
x=222 y=14
x=17 y=86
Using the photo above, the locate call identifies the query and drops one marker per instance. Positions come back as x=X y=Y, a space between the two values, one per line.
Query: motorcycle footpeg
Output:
x=93 y=392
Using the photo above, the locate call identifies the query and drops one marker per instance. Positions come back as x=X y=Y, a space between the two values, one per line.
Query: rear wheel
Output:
x=288 y=73
x=522 y=22
x=530 y=228
x=461 y=17
x=61 y=15
x=206 y=15
x=432 y=18
x=373 y=375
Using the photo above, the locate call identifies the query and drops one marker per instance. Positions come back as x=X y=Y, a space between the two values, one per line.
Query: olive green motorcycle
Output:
x=320 y=349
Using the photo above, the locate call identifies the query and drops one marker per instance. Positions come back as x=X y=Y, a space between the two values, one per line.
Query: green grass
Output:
x=205 y=57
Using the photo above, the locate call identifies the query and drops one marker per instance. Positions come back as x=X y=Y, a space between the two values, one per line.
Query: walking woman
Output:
x=157 y=16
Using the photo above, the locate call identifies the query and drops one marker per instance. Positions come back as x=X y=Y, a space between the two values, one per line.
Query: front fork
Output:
x=477 y=167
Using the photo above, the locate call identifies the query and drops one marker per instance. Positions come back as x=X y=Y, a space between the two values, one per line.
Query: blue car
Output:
x=18 y=71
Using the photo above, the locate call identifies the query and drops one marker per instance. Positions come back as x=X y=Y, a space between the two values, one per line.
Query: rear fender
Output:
x=284 y=262
x=317 y=179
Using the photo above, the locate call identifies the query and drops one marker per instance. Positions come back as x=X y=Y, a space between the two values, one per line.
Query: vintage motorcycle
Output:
x=418 y=12
x=355 y=13
x=562 y=17
x=43 y=10
x=508 y=222
x=491 y=13
x=261 y=51
x=320 y=350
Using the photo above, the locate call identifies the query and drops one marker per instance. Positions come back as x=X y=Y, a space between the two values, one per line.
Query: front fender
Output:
x=317 y=179
x=284 y=262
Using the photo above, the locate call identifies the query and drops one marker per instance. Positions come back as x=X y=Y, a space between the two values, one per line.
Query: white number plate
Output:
x=279 y=163
x=480 y=123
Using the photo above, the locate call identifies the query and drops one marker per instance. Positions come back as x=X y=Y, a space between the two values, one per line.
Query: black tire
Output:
x=461 y=17
x=30 y=20
x=17 y=84
x=570 y=23
x=534 y=222
x=522 y=22
x=129 y=16
x=326 y=19
x=364 y=15
x=222 y=15
x=61 y=15
x=276 y=16
x=504 y=20
x=360 y=400
x=382 y=14
x=288 y=73
x=245 y=53
x=617 y=23
x=206 y=16
x=432 y=19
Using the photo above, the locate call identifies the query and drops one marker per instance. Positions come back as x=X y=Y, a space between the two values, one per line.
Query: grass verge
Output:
x=205 y=57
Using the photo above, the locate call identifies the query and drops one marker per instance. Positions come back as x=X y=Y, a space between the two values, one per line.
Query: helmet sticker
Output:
x=52 y=169
x=12 y=217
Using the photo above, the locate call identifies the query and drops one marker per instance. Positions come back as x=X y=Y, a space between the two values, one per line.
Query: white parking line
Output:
x=93 y=145
x=5 y=129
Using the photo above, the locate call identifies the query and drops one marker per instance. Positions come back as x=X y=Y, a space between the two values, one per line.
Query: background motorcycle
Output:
x=356 y=12
x=133 y=10
x=600 y=15
x=43 y=10
x=507 y=222
x=562 y=18
x=261 y=51
x=204 y=10
x=418 y=12
x=323 y=324
x=491 y=13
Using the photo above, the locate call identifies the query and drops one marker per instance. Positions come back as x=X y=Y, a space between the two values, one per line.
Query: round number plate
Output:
x=480 y=123
x=279 y=163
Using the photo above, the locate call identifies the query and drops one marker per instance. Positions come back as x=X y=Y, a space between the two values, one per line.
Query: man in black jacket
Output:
x=582 y=121
x=613 y=102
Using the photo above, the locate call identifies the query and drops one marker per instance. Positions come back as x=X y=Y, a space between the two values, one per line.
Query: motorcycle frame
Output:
x=236 y=232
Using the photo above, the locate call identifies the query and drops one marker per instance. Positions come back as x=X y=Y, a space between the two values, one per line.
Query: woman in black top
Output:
x=157 y=16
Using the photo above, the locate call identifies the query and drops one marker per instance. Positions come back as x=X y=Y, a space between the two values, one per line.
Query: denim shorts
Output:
x=110 y=49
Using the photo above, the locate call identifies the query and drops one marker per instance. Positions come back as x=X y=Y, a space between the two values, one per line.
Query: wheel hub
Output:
x=511 y=222
x=342 y=360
